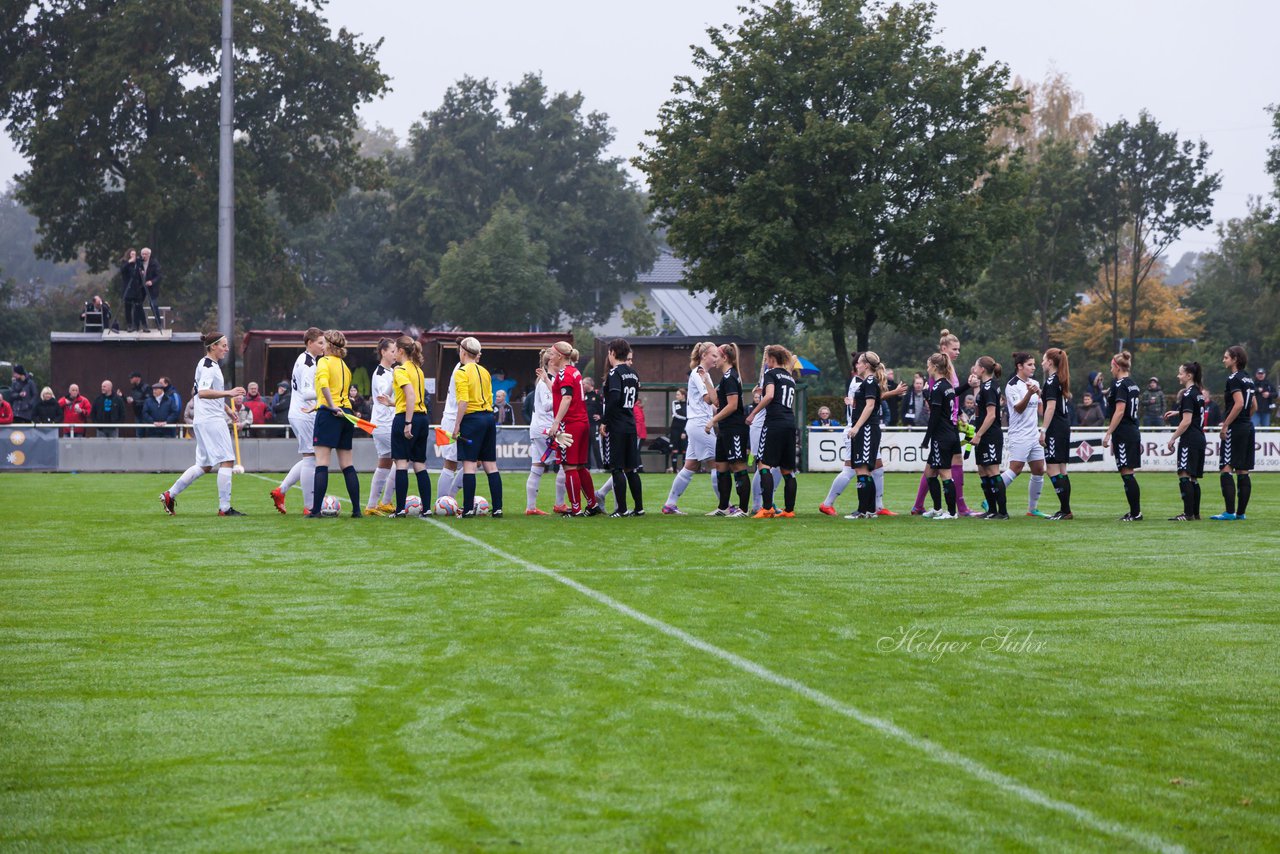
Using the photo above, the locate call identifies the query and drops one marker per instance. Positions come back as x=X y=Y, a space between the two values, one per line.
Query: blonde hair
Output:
x=471 y=345
x=44 y=391
x=699 y=350
x=564 y=348
x=877 y=368
x=544 y=356
x=336 y=342
x=1124 y=359
x=730 y=352
x=779 y=354
x=946 y=339
x=941 y=363
x=410 y=346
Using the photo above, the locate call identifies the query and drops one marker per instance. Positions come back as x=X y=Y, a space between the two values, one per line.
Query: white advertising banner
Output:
x=901 y=451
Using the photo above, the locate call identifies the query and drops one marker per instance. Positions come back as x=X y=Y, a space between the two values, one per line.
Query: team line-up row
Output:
x=723 y=433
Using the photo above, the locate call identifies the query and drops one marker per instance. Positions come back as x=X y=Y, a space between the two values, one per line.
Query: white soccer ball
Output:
x=413 y=505
x=482 y=506
x=446 y=506
x=331 y=506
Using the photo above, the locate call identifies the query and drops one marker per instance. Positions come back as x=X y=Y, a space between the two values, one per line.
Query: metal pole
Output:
x=226 y=198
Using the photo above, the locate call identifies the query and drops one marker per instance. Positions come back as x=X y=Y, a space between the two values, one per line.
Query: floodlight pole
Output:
x=226 y=198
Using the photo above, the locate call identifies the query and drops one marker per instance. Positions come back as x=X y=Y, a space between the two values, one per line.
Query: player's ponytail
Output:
x=781 y=356
x=564 y=348
x=991 y=366
x=699 y=350
x=411 y=348
x=336 y=342
x=1062 y=367
x=877 y=369
x=209 y=339
x=1123 y=360
x=940 y=363
x=730 y=354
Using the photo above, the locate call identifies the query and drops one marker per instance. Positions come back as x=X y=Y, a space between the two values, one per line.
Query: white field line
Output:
x=886 y=728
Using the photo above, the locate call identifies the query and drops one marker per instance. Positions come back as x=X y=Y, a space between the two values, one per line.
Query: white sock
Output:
x=308 y=481
x=715 y=487
x=604 y=489
x=756 y=496
x=444 y=486
x=224 y=488
x=1008 y=476
x=878 y=476
x=380 y=478
x=294 y=475
x=389 y=489
x=561 y=489
x=838 y=485
x=1034 y=490
x=683 y=478
x=184 y=480
x=455 y=484
x=531 y=486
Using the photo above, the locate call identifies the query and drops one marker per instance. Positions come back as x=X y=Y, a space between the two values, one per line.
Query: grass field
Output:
x=683 y=684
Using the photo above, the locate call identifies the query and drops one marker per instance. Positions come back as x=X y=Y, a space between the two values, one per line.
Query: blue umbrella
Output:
x=807 y=368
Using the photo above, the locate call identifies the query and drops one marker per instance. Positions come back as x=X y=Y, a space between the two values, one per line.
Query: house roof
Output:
x=667 y=270
x=691 y=313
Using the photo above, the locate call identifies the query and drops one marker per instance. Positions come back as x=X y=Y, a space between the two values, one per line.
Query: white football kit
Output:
x=302 y=423
x=209 y=423
x=702 y=445
x=382 y=383
x=1022 y=438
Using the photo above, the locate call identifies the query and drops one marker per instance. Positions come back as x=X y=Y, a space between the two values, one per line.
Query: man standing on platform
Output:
x=149 y=274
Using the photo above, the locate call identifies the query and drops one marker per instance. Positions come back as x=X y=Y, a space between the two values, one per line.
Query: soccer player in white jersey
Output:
x=213 y=439
x=1022 y=401
x=701 y=407
x=383 y=392
x=539 y=420
x=449 y=482
x=302 y=420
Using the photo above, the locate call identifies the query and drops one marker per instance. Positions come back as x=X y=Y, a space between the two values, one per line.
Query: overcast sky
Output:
x=1206 y=70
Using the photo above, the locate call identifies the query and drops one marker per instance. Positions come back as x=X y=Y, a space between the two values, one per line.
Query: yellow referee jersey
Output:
x=332 y=373
x=410 y=374
x=474 y=386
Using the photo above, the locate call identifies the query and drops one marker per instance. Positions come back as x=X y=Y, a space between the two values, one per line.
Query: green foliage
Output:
x=19 y=234
x=498 y=278
x=115 y=106
x=829 y=165
x=639 y=319
x=579 y=203
x=1148 y=188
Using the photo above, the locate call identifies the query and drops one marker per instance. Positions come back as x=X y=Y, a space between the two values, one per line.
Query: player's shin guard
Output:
x=838 y=485
x=949 y=491
x=866 y=494
x=757 y=490
x=184 y=480
x=637 y=492
x=1062 y=488
x=1229 y=491
x=468 y=492
x=495 y=489
x=1245 y=488
x=1002 y=495
x=446 y=482
x=293 y=476
x=573 y=490
x=531 y=487
x=1033 y=491
x=380 y=476
x=724 y=482
x=789 y=487
x=877 y=475
x=424 y=490
x=935 y=492
x=1195 y=497
x=320 y=486
x=682 y=480
x=763 y=481
x=1133 y=493
x=561 y=487
x=353 y=488
x=619 y=480
x=1185 y=489
x=308 y=481
x=224 y=488
x=588 y=486
x=743 y=481
x=402 y=490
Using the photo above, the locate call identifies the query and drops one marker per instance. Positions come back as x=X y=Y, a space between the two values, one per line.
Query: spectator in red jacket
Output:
x=76 y=409
x=6 y=412
x=258 y=405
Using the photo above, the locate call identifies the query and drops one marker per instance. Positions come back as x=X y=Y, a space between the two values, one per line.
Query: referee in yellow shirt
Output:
x=476 y=427
x=410 y=424
x=333 y=431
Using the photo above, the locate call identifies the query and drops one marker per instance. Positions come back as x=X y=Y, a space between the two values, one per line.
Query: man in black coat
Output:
x=23 y=395
x=137 y=394
x=133 y=294
x=148 y=272
x=108 y=409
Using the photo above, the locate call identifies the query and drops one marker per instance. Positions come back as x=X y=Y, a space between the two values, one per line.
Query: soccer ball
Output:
x=331 y=506
x=482 y=506
x=446 y=506
x=413 y=505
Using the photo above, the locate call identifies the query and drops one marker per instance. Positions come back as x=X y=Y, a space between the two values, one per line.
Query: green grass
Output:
x=271 y=683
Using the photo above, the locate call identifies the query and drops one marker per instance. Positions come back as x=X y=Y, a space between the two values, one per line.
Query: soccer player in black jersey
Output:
x=1055 y=435
x=1236 y=446
x=778 y=436
x=618 y=429
x=733 y=436
x=1122 y=435
x=943 y=438
x=1189 y=437
x=864 y=430
x=988 y=438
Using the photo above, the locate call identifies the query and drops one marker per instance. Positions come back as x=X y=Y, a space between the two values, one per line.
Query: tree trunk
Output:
x=864 y=329
x=837 y=337
x=1135 y=282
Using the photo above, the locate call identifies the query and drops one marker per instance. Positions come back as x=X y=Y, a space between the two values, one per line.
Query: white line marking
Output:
x=880 y=725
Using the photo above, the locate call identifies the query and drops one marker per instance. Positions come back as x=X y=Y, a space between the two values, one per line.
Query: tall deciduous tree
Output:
x=1148 y=189
x=114 y=103
x=1158 y=313
x=833 y=163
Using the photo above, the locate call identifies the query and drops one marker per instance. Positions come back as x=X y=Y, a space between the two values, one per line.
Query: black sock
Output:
x=1195 y=498
x=495 y=491
x=935 y=492
x=766 y=489
x=637 y=494
x=619 y=478
x=724 y=480
x=789 y=487
x=1228 y=491
x=1066 y=492
x=1002 y=495
x=988 y=492
x=353 y=488
x=1184 y=487
x=424 y=489
x=1245 y=487
x=468 y=492
x=321 y=486
x=866 y=494
x=949 y=490
x=402 y=489
x=1133 y=493
x=743 y=480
